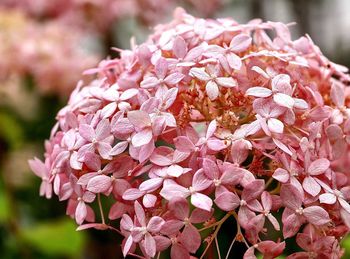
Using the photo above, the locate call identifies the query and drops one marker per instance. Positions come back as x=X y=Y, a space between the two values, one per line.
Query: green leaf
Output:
x=346 y=245
x=55 y=238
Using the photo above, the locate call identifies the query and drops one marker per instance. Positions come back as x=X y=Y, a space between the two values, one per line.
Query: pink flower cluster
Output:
x=50 y=53
x=206 y=121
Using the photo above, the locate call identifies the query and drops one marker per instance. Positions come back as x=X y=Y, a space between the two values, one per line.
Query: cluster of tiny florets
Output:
x=208 y=120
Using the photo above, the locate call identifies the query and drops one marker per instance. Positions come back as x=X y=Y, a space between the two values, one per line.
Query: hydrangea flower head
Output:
x=208 y=120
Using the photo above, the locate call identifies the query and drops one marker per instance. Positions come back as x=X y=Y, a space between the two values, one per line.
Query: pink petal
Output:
x=184 y=144
x=328 y=198
x=199 y=215
x=142 y=137
x=226 y=81
x=227 y=201
x=316 y=215
x=201 y=201
x=139 y=119
x=281 y=175
x=199 y=73
x=191 y=238
x=86 y=131
x=149 y=200
x=127 y=245
x=150 y=245
x=117 y=211
x=140 y=214
x=179 y=207
x=179 y=252
x=253 y=190
x=284 y=100
x=311 y=186
x=337 y=95
x=103 y=129
x=259 y=91
x=104 y=149
x=132 y=194
x=281 y=83
x=291 y=197
x=275 y=125
x=319 y=166
x=240 y=42
x=80 y=212
x=200 y=182
x=170 y=191
x=212 y=90
x=98 y=184
x=155 y=224
x=180 y=47
x=151 y=185
x=234 y=61
x=119 y=148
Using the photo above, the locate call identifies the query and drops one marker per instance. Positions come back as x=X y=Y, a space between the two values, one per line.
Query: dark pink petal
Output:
x=227 y=201
x=98 y=184
x=199 y=215
x=172 y=226
x=117 y=211
x=211 y=170
x=179 y=252
x=140 y=214
x=190 y=238
x=316 y=215
x=162 y=243
x=266 y=200
x=179 y=207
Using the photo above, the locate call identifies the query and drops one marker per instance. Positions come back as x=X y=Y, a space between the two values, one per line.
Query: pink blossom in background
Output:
x=205 y=121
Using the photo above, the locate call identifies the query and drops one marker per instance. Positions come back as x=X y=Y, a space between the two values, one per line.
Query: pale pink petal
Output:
x=127 y=245
x=98 y=184
x=311 y=186
x=281 y=175
x=150 y=245
x=199 y=73
x=240 y=42
x=119 y=148
x=132 y=194
x=139 y=119
x=200 y=181
x=80 y=212
x=284 y=100
x=201 y=201
x=142 y=137
x=151 y=185
x=234 y=61
x=155 y=224
x=328 y=198
x=318 y=166
x=149 y=200
x=87 y=132
x=226 y=81
x=170 y=191
x=259 y=91
x=275 y=125
x=316 y=215
x=212 y=90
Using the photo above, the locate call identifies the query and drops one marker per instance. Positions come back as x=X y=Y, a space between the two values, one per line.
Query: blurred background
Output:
x=45 y=45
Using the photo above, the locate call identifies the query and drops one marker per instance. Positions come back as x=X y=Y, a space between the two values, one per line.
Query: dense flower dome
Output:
x=209 y=120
